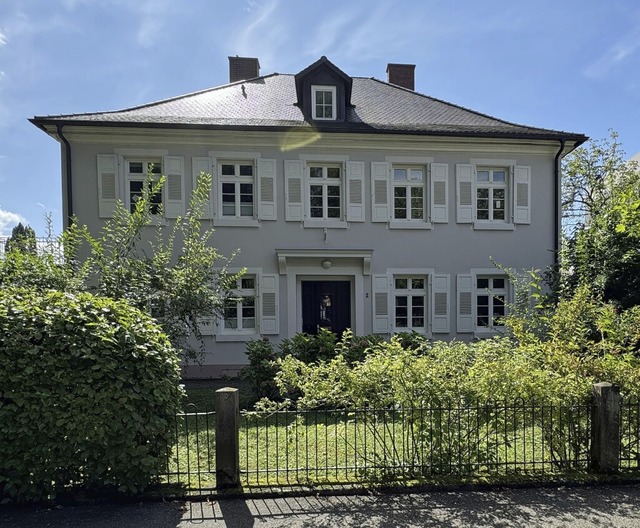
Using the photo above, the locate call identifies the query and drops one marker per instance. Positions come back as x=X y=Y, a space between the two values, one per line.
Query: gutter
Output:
x=67 y=152
x=558 y=202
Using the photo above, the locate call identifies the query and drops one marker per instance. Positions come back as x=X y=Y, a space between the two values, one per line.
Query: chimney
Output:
x=241 y=68
x=401 y=75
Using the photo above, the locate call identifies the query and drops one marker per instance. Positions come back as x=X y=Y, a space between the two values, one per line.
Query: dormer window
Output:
x=323 y=102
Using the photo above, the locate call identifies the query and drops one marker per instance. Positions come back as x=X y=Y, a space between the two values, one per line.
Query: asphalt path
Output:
x=604 y=506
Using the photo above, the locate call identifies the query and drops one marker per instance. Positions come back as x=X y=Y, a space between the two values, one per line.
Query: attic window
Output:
x=323 y=101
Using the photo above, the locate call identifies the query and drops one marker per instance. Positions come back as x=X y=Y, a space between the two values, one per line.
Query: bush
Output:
x=89 y=388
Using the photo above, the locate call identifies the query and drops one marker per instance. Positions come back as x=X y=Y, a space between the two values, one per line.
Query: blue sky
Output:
x=572 y=65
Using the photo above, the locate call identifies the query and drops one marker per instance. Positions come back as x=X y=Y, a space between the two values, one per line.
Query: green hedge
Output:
x=89 y=388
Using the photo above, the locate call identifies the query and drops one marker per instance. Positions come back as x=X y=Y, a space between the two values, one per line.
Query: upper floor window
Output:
x=323 y=102
x=491 y=194
x=138 y=174
x=237 y=189
x=325 y=191
x=408 y=192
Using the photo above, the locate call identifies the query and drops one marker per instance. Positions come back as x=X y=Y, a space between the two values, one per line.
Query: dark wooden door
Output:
x=326 y=304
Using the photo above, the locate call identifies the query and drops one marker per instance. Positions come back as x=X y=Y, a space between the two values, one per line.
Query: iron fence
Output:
x=442 y=442
x=630 y=434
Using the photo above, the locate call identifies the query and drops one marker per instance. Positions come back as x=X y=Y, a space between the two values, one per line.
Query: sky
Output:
x=570 y=65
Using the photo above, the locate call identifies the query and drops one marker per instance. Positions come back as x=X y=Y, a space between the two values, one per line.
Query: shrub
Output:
x=89 y=388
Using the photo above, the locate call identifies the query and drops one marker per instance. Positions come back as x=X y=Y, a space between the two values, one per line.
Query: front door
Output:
x=326 y=304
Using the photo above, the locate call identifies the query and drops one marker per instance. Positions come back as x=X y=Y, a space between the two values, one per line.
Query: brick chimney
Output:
x=401 y=75
x=241 y=68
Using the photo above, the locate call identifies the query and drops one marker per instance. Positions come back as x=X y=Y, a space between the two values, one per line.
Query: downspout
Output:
x=558 y=207
x=67 y=151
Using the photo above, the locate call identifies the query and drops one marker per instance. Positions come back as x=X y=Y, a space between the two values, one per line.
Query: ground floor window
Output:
x=240 y=307
x=491 y=296
x=410 y=294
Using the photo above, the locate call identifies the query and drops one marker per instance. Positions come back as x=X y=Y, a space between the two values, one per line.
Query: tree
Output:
x=22 y=238
x=601 y=200
x=177 y=275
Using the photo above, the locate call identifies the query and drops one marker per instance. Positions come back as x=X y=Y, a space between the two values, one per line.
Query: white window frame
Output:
x=143 y=177
x=315 y=90
x=409 y=184
x=238 y=294
x=237 y=180
x=491 y=274
x=325 y=182
x=491 y=186
x=219 y=158
x=407 y=292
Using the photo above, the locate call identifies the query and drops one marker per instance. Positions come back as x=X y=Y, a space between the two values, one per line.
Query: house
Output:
x=356 y=203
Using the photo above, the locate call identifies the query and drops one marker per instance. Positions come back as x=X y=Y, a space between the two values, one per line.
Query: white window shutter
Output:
x=268 y=292
x=198 y=166
x=380 y=191
x=108 y=184
x=381 y=315
x=440 y=304
x=464 y=193
x=207 y=326
x=439 y=192
x=465 y=303
x=522 y=195
x=173 y=170
x=267 y=206
x=355 y=191
x=294 y=182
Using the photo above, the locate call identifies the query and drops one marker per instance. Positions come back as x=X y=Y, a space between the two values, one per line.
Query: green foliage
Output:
x=262 y=369
x=22 y=239
x=601 y=201
x=89 y=388
x=304 y=348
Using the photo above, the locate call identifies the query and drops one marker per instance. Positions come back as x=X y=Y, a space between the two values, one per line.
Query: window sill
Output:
x=237 y=338
x=494 y=226
x=410 y=224
x=236 y=222
x=332 y=224
x=489 y=332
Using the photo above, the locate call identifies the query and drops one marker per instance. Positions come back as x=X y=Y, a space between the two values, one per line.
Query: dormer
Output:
x=324 y=92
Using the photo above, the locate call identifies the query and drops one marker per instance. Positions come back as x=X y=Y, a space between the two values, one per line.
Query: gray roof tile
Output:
x=269 y=102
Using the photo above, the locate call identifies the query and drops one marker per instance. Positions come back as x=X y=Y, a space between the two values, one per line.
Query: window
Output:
x=237 y=189
x=491 y=193
x=410 y=293
x=139 y=173
x=408 y=192
x=240 y=309
x=491 y=296
x=325 y=191
x=323 y=101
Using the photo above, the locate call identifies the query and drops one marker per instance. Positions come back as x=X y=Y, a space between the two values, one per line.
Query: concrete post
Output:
x=227 y=438
x=605 y=428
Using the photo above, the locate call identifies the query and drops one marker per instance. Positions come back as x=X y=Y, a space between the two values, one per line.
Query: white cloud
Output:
x=616 y=54
x=8 y=220
x=3 y=39
x=264 y=35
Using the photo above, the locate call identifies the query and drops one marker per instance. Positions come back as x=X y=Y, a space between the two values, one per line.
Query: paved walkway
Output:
x=607 y=506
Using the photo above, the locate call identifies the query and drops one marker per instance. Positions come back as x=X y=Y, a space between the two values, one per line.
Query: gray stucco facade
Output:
x=388 y=229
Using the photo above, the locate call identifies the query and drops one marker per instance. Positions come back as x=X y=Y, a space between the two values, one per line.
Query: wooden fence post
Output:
x=227 y=438
x=605 y=428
